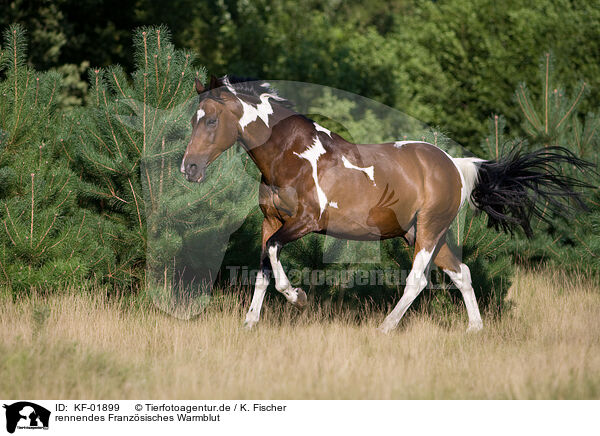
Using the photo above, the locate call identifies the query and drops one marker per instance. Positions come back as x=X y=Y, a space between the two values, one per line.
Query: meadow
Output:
x=81 y=344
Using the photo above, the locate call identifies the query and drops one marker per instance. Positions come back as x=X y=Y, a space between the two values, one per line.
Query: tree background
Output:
x=448 y=63
x=482 y=73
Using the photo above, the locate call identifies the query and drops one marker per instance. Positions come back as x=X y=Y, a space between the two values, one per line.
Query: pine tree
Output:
x=551 y=118
x=45 y=239
x=130 y=144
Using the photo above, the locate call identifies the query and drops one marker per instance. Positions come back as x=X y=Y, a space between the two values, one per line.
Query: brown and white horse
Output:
x=315 y=181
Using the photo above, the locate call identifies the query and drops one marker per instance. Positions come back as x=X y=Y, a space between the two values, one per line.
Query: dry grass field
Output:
x=77 y=346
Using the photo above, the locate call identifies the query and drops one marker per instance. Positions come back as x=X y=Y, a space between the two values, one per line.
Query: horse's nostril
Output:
x=190 y=168
x=194 y=172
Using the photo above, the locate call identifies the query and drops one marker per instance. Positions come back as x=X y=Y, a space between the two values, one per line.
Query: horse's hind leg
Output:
x=269 y=227
x=461 y=276
x=425 y=249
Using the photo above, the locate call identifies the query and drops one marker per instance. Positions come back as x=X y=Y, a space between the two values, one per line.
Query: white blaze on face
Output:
x=199 y=115
x=182 y=169
x=312 y=155
x=322 y=129
x=369 y=171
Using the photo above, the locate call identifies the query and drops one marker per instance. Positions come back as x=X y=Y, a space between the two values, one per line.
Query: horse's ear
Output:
x=199 y=86
x=214 y=83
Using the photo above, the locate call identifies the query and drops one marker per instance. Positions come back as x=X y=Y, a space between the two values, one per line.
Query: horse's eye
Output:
x=211 y=122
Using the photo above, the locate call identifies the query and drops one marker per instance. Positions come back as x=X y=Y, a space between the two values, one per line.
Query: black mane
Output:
x=254 y=87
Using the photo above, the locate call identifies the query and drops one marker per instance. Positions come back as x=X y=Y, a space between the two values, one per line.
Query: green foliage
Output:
x=97 y=190
x=476 y=52
x=125 y=118
x=45 y=239
x=130 y=143
x=448 y=63
x=550 y=118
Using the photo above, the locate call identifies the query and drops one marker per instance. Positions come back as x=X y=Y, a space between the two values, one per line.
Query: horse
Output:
x=313 y=180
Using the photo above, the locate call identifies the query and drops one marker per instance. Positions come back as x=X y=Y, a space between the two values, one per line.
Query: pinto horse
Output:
x=315 y=181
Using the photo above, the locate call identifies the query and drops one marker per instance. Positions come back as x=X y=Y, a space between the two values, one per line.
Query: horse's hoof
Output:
x=301 y=300
x=385 y=328
x=473 y=328
x=249 y=325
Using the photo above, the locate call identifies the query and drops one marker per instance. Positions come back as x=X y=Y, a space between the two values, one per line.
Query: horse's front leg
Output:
x=290 y=231
x=295 y=296
x=269 y=227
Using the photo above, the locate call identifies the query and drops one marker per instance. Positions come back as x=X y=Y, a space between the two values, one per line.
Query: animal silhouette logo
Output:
x=26 y=415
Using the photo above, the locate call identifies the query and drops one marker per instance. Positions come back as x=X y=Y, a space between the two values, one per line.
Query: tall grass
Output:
x=86 y=345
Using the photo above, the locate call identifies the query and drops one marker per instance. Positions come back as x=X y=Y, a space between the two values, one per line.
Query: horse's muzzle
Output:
x=194 y=172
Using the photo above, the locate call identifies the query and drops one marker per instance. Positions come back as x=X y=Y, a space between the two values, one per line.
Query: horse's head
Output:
x=214 y=128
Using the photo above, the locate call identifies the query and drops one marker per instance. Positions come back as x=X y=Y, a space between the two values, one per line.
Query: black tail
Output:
x=519 y=186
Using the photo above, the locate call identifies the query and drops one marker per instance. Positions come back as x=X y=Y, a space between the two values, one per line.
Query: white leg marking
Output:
x=462 y=280
x=260 y=288
x=282 y=284
x=312 y=155
x=415 y=283
x=369 y=171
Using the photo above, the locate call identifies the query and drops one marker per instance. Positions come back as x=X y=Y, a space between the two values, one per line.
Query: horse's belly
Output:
x=367 y=222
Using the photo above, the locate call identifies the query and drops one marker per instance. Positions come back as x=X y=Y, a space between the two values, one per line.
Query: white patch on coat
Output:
x=312 y=155
x=262 y=110
x=369 y=171
x=322 y=129
x=469 y=173
x=199 y=114
x=333 y=204
x=399 y=144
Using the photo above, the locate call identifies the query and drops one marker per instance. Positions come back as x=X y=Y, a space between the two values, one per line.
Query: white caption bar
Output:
x=298 y=417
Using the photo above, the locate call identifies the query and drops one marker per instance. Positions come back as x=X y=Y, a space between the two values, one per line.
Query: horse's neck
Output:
x=256 y=140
